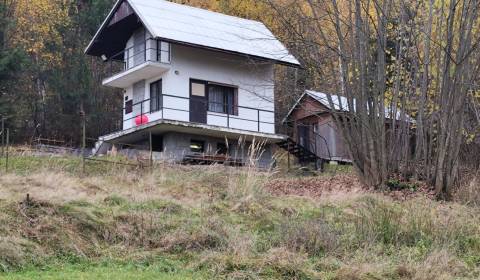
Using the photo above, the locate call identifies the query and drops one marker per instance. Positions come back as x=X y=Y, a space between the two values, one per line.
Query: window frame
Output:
x=199 y=82
x=226 y=106
x=200 y=142
x=159 y=98
x=128 y=106
x=160 y=50
x=157 y=143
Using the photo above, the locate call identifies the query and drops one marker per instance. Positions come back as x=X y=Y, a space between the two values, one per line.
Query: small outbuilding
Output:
x=312 y=126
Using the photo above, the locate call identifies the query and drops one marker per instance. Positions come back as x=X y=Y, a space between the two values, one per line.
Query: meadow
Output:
x=216 y=222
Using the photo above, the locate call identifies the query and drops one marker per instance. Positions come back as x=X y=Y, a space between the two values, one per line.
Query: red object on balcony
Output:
x=143 y=119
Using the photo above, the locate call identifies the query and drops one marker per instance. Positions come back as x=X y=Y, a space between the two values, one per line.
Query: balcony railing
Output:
x=150 y=50
x=145 y=108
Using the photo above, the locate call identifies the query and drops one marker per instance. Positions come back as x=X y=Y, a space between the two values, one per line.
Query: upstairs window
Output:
x=156 y=96
x=222 y=99
x=163 y=52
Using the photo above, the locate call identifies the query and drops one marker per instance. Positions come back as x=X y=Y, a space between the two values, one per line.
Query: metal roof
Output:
x=340 y=103
x=203 y=28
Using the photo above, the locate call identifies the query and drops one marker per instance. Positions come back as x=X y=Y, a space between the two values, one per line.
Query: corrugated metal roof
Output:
x=199 y=27
x=340 y=103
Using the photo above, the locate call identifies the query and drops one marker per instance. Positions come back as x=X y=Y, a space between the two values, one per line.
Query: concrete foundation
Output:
x=175 y=146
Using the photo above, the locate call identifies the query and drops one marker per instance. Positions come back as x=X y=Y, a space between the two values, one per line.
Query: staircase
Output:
x=101 y=148
x=303 y=154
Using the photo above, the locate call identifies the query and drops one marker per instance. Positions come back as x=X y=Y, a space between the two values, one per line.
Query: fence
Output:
x=43 y=147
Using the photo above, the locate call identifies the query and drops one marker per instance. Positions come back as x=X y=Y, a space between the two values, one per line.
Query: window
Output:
x=163 y=51
x=157 y=143
x=128 y=107
x=222 y=149
x=197 y=146
x=222 y=99
x=156 y=96
x=198 y=89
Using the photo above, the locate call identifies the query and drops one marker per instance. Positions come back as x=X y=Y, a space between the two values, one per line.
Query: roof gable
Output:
x=202 y=28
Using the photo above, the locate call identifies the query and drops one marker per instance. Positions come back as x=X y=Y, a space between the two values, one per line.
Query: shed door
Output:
x=198 y=101
x=304 y=136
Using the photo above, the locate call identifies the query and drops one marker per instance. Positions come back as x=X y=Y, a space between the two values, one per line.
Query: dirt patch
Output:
x=336 y=185
x=315 y=186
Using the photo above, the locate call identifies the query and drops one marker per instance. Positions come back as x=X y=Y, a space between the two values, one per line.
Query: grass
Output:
x=159 y=270
x=215 y=222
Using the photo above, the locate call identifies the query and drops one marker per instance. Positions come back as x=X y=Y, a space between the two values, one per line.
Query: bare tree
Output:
x=404 y=69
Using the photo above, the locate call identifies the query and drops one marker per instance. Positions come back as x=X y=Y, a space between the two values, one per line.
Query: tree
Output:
x=405 y=68
x=11 y=59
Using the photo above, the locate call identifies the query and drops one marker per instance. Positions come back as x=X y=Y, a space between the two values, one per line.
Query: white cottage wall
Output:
x=254 y=81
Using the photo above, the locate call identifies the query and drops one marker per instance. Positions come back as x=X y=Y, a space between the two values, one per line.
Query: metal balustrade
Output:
x=150 y=50
x=144 y=108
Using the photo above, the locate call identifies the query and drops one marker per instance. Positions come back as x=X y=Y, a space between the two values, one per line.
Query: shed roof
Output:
x=340 y=103
x=203 y=28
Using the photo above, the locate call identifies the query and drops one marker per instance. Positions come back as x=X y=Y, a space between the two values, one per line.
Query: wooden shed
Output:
x=312 y=127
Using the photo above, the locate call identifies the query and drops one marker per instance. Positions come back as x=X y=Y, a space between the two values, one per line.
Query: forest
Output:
x=415 y=60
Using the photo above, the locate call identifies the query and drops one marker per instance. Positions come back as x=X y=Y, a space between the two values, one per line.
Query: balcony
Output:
x=142 y=61
x=176 y=108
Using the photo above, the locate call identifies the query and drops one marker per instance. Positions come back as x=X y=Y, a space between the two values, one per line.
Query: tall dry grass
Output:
x=223 y=221
x=469 y=190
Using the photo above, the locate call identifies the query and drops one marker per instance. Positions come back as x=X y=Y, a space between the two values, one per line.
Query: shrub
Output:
x=376 y=221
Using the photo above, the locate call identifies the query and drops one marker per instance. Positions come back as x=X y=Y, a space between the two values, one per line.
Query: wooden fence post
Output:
x=3 y=137
x=84 y=140
x=288 y=157
x=6 y=154
x=151 y=152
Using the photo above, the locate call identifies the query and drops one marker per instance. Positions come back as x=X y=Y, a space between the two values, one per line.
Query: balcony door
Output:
x=198 y=101
x=138 y=98
x=139 y=47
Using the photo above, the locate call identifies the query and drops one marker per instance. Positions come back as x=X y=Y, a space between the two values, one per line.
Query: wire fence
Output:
x=117 y=154
x=45 y=147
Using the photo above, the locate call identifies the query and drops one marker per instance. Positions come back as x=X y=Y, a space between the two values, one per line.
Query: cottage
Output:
x=194 y=81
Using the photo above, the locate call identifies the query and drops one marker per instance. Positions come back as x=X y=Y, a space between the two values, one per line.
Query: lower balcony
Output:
x=246 y=120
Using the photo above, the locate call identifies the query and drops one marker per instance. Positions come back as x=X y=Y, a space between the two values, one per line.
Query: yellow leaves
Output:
x=476 y=94
x=38 y=28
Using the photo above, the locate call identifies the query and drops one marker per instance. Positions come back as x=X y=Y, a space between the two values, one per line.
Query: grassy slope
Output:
x=212 y=222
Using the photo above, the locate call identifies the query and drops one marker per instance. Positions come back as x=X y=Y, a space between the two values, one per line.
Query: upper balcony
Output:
x=144 y=60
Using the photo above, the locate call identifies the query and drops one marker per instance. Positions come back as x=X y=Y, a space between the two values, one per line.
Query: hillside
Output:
x=213 y=222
